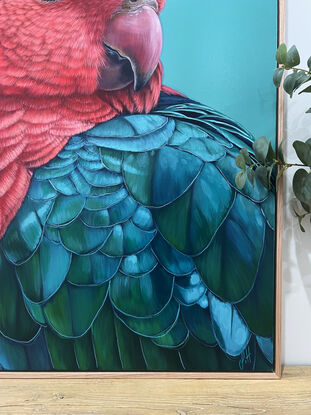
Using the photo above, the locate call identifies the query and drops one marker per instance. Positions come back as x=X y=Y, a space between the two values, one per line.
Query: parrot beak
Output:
x=133 y=43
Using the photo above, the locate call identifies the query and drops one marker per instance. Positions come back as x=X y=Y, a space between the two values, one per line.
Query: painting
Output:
x=126 y=246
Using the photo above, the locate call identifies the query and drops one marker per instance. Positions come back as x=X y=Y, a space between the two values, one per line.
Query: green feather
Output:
x=159 y=359
x=72 y=310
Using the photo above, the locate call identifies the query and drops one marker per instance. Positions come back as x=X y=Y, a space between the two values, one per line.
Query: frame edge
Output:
x=279 y=210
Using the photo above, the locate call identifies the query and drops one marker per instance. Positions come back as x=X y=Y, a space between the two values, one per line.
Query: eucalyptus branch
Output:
x=271 y=165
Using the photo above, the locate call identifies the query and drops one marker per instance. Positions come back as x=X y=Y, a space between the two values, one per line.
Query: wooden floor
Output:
x=291 y=395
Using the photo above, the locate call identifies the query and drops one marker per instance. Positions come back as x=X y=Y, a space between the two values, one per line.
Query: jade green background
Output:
x=222 y=53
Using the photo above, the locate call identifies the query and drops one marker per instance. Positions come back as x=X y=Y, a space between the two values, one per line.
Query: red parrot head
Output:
x=65 y=47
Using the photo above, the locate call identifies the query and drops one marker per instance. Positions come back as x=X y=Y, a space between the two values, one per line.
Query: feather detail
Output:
x=170 y=91
x=15 y=179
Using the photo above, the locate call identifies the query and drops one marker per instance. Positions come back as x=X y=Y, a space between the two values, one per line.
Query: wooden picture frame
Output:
x=278 y=298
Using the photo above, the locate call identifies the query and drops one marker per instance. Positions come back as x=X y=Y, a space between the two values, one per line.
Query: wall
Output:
x=297 y=246
x=212 y=53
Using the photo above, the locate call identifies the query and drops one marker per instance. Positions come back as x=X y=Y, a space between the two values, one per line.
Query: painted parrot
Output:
x=125 y=243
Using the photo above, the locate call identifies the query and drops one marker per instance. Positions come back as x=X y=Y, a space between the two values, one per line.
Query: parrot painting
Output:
x=125 y=244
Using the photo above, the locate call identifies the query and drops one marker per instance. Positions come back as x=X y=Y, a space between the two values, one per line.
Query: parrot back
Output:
x=134 y=250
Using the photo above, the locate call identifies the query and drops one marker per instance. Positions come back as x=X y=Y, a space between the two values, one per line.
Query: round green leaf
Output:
x=303 y=151
x=278 y=76
x=261 y=174
x=240 y=162
x=293 y=57
x=261 y=148
x=302 y=185
x=240 y=180
x=245 y=154
x=281 y=54
x=294 y=81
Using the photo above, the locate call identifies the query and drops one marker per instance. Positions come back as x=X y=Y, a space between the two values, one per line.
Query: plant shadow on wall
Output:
x=273 y=165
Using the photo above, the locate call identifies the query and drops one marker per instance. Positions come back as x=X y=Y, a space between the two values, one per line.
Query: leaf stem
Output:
x=295 y=69
x=295 y=165
x=288 y=165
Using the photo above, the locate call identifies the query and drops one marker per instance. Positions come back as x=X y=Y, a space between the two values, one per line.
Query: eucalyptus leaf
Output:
x=261 y=148
x=306 y=206
x=261 y=174
x=309 y=63
x=302 y=78
x=245 y=154
x=240 y=162
x=278 y=76
x=271 y=156
x=303 y=151
x=302 y=185
x=281 y=54
x=289 y=84
x=240 y=180
x=294 y=81
x=270 y=171
x=293 y=57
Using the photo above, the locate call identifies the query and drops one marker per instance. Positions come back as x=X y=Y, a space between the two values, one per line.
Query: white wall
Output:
x=297 y=246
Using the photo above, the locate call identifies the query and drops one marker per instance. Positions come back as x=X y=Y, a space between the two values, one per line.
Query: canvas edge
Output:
x=277 y=374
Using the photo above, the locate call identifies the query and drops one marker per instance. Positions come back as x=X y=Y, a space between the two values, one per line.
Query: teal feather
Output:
x=155 y=326
x=134 y=250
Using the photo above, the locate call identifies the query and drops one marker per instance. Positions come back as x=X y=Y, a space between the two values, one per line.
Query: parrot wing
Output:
x=134 y=250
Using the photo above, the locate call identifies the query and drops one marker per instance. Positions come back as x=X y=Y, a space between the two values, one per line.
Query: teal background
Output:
x=222 y=53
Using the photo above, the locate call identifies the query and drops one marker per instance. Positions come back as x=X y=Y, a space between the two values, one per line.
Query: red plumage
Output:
x=51 y=55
